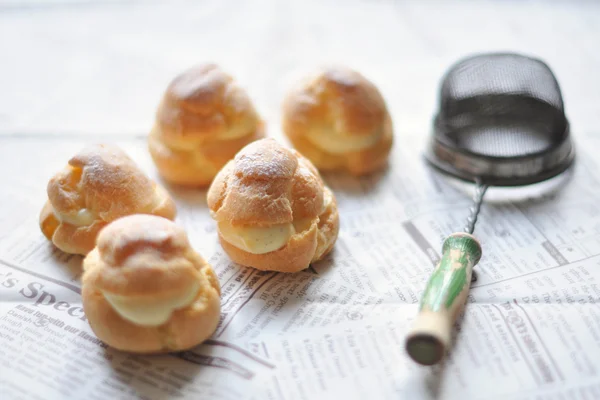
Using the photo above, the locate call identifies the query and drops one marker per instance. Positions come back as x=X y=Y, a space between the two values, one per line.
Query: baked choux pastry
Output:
x=98 y=185
x=339 y=120
x=145 y=290
x=272 y=209
x=204 y=119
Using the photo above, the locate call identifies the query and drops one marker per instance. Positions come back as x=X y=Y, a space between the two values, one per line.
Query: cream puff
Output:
x=204 y=119
x=145 y=290
x=99 y=184
x=339 y=120
x=272 y=209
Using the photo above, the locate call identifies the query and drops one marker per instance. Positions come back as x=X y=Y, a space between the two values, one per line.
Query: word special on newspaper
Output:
x=530 y=329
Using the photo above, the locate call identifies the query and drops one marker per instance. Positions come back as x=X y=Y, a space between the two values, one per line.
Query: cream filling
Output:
x=335 y=144
x=151 y=311
x=240 y=130
x=191 y=142
x=327 y=198
x=261 y=240
x=160 y=194
x=83 y=217
x=257 y=240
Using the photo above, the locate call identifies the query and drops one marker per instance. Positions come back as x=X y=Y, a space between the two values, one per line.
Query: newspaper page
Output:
x=531 y=328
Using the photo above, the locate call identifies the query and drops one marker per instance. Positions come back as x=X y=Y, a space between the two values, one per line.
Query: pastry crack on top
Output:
x=272 y=209
x=339 y=120
x=98 y=185
x=202 y=121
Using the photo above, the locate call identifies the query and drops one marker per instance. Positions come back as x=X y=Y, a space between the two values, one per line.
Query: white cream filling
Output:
x=304 y=224
x=257 y=240
x=151 y=311
x=193 y=141
x=336 y=144
x=261 y=240
x=327 y=198
x=238 y=131
x=83 y=217
x=159 y=197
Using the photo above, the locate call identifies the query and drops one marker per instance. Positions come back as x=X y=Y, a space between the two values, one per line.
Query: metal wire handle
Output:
x=480 y=190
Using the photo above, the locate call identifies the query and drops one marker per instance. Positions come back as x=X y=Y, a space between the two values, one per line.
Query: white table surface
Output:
x=100 y=67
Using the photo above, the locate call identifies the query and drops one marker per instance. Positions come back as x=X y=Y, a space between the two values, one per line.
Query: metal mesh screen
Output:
x=500 y=105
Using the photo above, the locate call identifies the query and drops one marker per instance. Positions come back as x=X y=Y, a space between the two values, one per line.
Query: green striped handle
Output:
x=443 y=299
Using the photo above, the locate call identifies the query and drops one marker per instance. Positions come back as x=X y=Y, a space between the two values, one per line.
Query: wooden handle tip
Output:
x=425 y=349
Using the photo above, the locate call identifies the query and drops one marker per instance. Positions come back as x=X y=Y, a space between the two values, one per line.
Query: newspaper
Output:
x=531 y=329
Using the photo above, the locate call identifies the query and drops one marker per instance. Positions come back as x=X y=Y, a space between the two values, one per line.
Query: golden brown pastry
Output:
x=204 y=119
x=339 y=120
x=272 y=209
x=145 y=290
x=98 y=185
